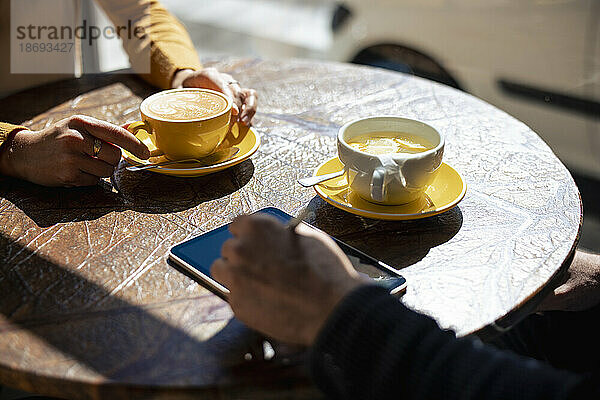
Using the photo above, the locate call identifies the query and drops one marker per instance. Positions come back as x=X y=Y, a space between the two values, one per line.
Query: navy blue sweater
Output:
x=373 y=347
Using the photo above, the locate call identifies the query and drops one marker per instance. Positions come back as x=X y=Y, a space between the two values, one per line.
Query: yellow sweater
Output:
x=166 y=40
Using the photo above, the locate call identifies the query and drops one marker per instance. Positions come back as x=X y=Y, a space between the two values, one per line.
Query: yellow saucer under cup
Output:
x=446 y=191
x=241 y=136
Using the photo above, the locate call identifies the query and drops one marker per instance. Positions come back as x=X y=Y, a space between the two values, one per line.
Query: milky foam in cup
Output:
x=185 y=123
x=397 y=177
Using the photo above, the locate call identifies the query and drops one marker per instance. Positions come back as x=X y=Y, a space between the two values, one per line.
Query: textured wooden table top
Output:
x=91 y=309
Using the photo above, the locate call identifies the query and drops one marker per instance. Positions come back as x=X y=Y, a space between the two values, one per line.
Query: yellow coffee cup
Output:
x=185 y=123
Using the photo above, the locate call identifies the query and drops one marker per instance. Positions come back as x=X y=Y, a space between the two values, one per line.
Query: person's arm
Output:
x=299 y=287
x=173 y=59
x=372 y=347
x=581 y=289
x=7 y=129
x=165 y=40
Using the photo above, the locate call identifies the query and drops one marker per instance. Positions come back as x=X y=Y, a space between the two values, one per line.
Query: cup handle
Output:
x=378 y=181
x=135 y=127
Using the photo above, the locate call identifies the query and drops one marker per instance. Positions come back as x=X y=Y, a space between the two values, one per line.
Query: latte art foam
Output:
x=186 y=105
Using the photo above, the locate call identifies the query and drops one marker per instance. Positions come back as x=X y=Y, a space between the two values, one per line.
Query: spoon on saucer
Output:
x=315 y=180
x=219 y=157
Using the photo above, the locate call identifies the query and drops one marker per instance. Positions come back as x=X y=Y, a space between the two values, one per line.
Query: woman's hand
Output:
x=63 y=154
x=581 y=290
x=245 y=100
x=283 y=284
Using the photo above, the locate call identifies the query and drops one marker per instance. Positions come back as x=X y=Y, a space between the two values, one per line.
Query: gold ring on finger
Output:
x=97 y=147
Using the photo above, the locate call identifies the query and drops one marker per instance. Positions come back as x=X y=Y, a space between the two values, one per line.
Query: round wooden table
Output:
x=90 y=308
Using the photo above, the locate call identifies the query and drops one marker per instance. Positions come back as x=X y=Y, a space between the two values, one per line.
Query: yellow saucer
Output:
x=241 y=136
x=446 y=191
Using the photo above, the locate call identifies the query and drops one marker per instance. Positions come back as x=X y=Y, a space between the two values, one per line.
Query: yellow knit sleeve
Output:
x=7 y=129
x=164 y=44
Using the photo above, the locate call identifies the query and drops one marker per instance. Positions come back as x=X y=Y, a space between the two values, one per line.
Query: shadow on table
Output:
x=397 y=243
x=121 y=342
x=29 y=103
x=143 y=191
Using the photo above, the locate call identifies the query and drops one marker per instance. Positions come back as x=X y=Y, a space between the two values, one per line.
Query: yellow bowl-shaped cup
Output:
x=180 y=139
